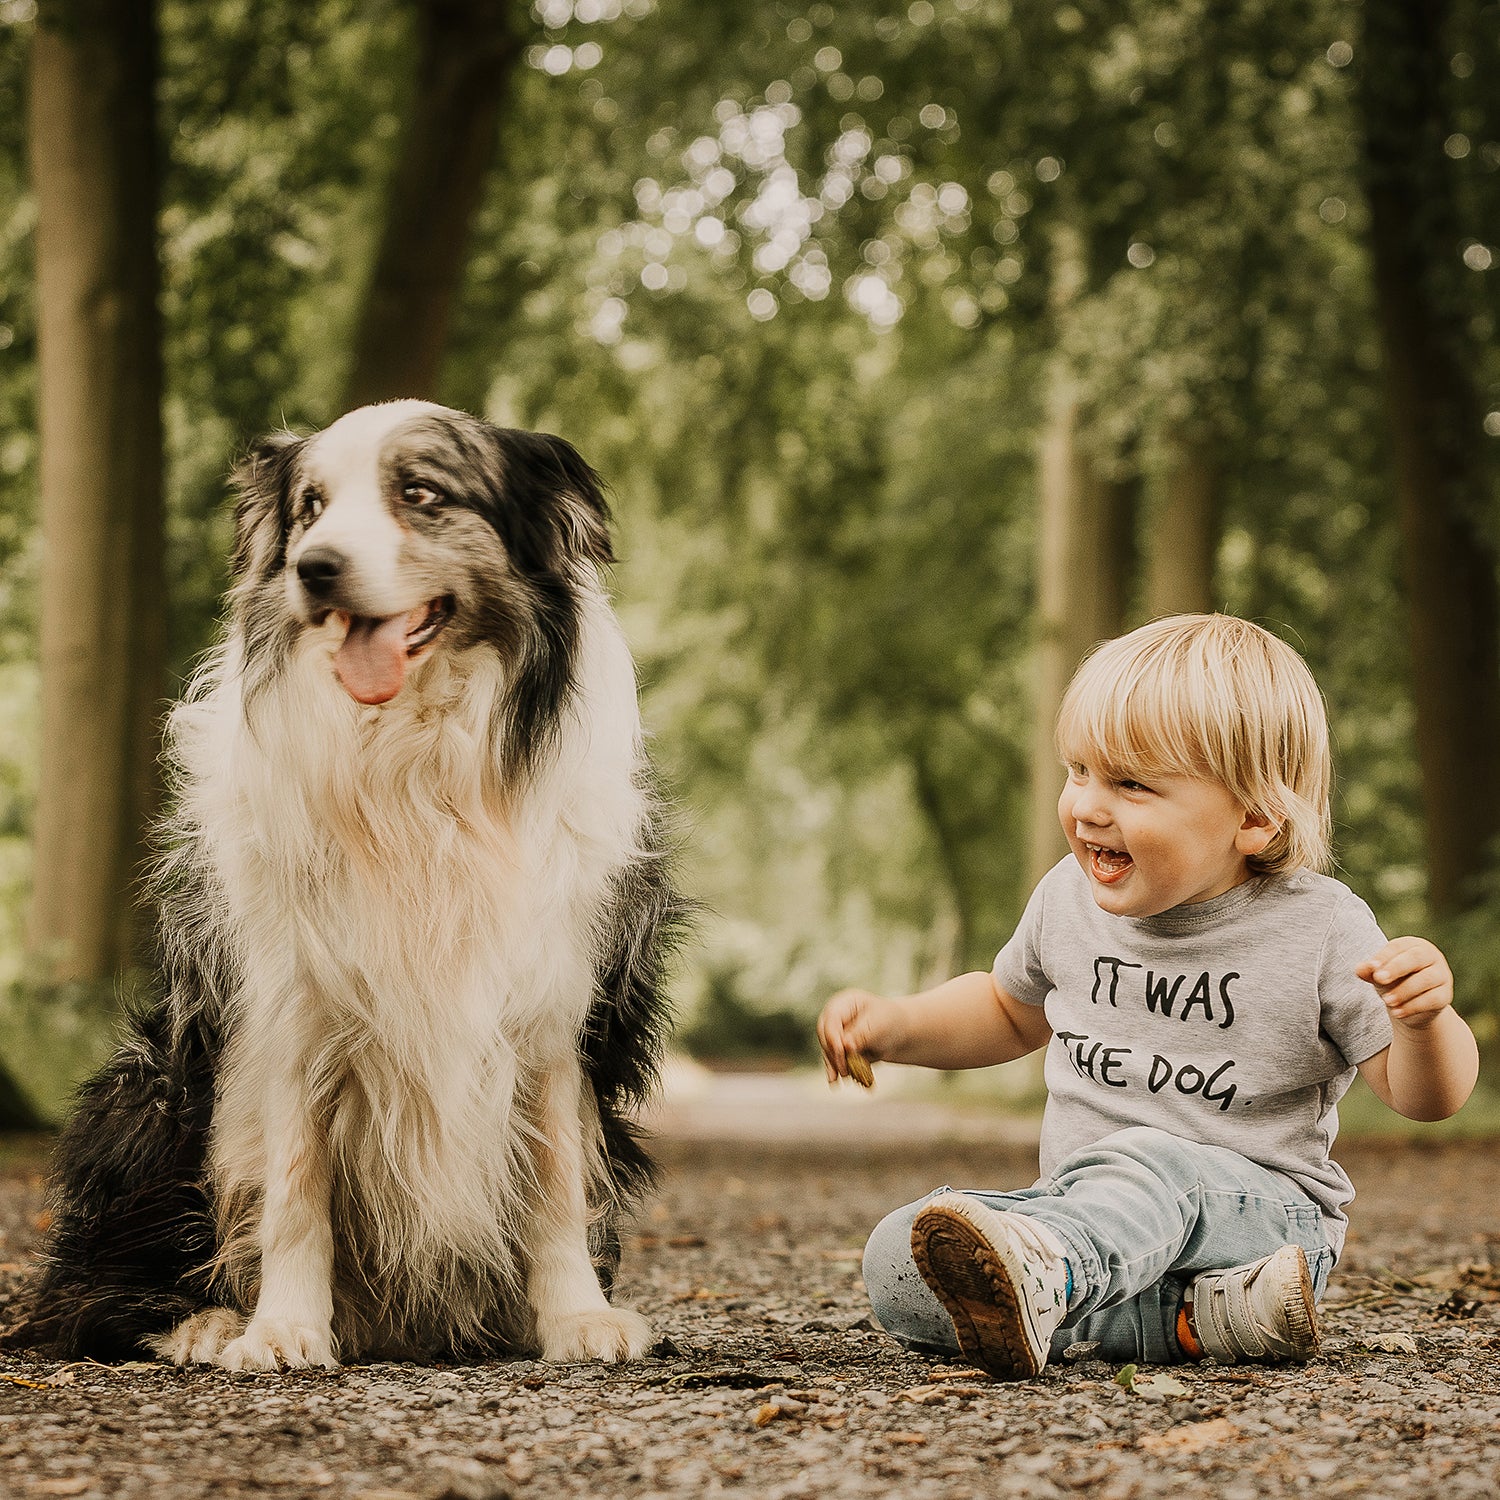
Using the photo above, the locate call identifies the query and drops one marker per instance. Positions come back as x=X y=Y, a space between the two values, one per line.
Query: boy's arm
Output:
x=968 y=1022
x=1430 y=1067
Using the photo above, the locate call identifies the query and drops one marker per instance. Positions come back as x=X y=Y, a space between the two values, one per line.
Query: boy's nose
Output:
x=1088 y=806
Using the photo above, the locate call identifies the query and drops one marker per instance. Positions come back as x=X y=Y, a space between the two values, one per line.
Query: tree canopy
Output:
x=803 y=281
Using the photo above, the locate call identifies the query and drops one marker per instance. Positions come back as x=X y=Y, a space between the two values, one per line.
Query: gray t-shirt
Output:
x=1236 y=1022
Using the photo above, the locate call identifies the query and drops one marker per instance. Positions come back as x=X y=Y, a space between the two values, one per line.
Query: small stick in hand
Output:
x=859 y=1070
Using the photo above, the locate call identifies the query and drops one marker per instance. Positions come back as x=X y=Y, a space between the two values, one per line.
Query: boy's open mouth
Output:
x=1108 y=865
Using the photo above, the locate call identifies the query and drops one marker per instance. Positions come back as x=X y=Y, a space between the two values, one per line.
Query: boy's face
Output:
x=1147 y=846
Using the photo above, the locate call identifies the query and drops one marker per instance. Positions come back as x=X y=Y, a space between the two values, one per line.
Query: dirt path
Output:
x=771 y=1382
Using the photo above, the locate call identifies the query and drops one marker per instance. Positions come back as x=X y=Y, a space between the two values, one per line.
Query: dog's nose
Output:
x=320 y=568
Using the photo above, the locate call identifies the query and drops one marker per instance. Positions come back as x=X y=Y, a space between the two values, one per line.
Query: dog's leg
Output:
x=574 y=1320
x=292 y=1326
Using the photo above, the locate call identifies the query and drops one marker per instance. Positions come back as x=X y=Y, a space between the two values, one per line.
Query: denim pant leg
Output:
x=1141 y=1212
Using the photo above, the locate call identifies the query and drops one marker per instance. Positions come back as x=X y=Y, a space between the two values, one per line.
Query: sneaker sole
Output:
x=1302 y=1313
x=976 y=1290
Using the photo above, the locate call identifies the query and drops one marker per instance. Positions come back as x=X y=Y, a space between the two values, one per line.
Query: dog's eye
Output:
x=312 y=505
x=421 y=494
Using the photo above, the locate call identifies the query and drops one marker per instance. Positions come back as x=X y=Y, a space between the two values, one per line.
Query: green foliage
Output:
x=726 y=1029
x=784 y=273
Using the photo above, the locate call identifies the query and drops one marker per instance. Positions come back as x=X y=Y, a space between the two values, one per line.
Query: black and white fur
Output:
x=410 y=946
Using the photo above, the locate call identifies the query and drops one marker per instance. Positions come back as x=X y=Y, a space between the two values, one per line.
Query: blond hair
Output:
x=1215 y=697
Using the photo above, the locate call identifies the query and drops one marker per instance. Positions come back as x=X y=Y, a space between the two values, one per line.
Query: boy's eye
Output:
x=1134 y=786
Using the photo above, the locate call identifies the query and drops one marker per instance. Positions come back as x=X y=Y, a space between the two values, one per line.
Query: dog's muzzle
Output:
x=376 y=651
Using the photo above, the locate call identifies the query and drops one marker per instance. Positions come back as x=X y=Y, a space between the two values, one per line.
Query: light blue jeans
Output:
x=1141 y=1212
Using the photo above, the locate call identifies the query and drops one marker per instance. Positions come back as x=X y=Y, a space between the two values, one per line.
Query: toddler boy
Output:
x=1204 y=996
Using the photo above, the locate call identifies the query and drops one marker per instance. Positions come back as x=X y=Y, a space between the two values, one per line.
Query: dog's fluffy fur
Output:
x=413 y=912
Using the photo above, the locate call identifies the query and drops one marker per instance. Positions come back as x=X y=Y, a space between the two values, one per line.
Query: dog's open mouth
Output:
x=372 y=661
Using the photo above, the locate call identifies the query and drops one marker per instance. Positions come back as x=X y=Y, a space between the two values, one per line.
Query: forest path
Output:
x=770 y=1380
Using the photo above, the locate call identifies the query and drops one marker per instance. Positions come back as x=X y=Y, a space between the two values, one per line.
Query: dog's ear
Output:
x=587 y=511
x=262 y=485
x=560 y=499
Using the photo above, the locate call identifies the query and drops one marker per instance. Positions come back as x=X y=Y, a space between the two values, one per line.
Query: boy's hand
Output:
x=853 y=1021
x=1413 y=978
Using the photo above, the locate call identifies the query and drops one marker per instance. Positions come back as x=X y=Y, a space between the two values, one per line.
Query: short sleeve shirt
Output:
x=1235 y=1022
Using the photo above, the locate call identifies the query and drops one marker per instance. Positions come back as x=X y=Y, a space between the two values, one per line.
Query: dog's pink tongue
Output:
x=372 y=661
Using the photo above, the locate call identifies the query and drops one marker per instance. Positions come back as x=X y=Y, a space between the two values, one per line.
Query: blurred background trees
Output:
x=923 y=345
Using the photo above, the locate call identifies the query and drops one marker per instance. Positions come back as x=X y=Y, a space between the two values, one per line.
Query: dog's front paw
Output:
x=275 y=1344
x=608 y=1333
x=197 y=1340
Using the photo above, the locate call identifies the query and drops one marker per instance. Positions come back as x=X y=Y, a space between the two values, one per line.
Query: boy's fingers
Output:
x=1423 y=1009
x=833 y=1054
x=1416 y=1001
x=1423 y=982
x=1398 y=959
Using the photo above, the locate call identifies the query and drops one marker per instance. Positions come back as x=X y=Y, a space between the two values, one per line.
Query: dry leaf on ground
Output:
x=1191 y=1437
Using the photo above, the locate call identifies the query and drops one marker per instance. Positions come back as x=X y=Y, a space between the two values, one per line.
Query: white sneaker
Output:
x=1263 y=1310
x=1001 y=1276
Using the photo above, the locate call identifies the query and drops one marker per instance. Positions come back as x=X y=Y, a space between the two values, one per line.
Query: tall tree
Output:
x=94 y=165
x=1183 y=539
x=1434 y=414
x=467 y=50
x=1085 y=560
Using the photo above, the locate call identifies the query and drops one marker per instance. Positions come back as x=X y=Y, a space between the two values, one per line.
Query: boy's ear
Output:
x=1255 y=834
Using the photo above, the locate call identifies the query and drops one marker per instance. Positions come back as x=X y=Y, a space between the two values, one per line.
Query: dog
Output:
x=414 y=906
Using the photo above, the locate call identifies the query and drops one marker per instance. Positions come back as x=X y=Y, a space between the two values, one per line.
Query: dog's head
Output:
x=407 y=528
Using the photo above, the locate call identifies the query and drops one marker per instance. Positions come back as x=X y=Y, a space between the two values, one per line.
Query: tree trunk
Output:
x=1085 y=566
x=94 y=164
x=1183 y=541
x=953 y=856
x=1434 y=412
x=467 y=49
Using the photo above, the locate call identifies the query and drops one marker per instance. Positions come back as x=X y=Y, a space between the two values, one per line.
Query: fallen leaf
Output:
x=955 y=1372
x=923 y=1395
x=1456 y=1305
x=62 y=1486
x=1157 y=1387
x=686 y=1242
x=910 y=1439
x=766 y=1414
x=1125 y=1377
x=1392 y=1343
x=1191 y=1437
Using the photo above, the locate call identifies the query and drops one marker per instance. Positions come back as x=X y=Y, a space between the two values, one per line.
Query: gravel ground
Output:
x=770 y=1380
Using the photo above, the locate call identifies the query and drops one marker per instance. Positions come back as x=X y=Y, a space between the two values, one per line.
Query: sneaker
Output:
x=1001 y=1276
x=1262 y=1311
